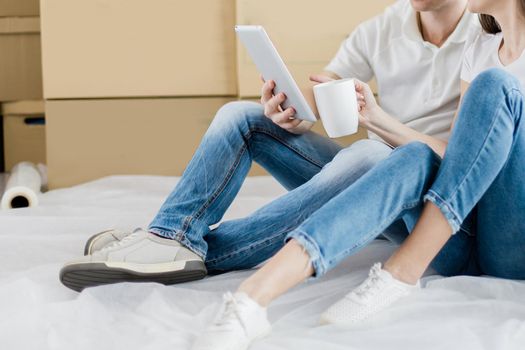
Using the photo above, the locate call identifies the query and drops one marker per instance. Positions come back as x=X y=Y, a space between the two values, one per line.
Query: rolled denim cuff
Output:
x=181 y=238
x=448 y=212
x=312 y=249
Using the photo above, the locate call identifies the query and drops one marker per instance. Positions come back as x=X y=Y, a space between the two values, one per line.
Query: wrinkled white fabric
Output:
x=37 y=312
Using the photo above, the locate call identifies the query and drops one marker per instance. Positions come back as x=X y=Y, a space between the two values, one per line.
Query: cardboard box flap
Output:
x=19 y=25
x=23 y=108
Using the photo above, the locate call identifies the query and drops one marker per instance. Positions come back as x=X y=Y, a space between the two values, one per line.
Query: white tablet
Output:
x=272 y=67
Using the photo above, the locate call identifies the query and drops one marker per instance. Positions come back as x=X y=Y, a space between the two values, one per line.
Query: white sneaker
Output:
x=240 y=322
x=376 y=293
x=138 y=257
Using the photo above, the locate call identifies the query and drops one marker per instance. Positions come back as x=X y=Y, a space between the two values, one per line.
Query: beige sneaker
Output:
x=103 y=239
x=138 y=257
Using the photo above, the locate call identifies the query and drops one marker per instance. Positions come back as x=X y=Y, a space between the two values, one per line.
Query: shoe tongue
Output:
x=384 y=275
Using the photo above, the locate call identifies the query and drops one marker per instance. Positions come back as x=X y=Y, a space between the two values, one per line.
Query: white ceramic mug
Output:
x=337 y=105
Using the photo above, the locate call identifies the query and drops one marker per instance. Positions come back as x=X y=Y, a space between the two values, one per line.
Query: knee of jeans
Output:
x=494 y=80
x=237 y=115
x=415 y=152
x=416 y=159
x=359 y=157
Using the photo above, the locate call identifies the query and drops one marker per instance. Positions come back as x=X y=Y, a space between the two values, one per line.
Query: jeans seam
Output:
x=228 y=176
x=295 y=149
x=187 y=222
x=471 y=166
x=206 y=205
x=246 y=248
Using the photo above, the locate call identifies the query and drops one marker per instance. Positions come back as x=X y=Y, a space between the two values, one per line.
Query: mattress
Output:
x=37 y=312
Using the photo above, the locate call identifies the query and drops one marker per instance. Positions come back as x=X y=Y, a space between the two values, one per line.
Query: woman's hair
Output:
x=489 y=23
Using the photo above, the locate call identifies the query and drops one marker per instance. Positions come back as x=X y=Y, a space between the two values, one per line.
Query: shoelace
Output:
x=371 y=284
x=230 y=314
x=124 y=240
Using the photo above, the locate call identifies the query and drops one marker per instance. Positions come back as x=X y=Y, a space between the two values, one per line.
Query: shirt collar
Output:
x=459 y=35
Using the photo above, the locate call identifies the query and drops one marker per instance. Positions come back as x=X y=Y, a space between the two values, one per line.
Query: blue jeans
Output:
x=478 y=186
x=312 y=167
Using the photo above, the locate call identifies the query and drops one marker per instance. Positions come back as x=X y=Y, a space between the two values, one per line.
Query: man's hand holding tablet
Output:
x=272 y=107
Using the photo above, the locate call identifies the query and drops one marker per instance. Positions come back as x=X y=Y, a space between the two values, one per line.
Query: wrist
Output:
x=372 y=117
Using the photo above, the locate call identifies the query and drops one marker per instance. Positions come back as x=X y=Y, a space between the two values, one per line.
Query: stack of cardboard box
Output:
x=132 y=85
x=21 y=82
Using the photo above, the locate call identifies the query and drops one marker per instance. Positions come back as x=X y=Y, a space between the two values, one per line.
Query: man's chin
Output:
x=426 y=5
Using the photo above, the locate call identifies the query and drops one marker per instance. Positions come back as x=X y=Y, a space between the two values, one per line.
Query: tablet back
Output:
x=269 y=63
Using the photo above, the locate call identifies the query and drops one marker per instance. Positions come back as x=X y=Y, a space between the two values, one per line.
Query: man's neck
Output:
x=436 y=26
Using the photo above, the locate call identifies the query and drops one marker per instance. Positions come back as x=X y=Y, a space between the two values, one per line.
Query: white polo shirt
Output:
x=418 y=83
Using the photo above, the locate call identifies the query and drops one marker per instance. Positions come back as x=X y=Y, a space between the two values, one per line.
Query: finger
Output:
x=291 y=124
x=262 y=78
x=320 y=78
x=360 y=96
x=272 y=105
x=267 y=91
x=284 y=116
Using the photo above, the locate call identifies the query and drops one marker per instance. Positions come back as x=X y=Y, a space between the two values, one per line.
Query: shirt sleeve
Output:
x=353 y=59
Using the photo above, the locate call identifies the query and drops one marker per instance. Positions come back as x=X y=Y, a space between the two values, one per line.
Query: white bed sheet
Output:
x=37 y=312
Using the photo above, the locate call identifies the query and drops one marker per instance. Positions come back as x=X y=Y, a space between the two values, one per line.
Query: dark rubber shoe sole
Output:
x=85 y=275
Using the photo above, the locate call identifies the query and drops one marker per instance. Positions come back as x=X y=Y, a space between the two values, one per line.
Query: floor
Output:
x=38 y=312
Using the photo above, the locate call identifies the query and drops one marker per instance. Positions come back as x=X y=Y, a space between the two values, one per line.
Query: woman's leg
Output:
x=247 y=242
x=486 y=149
x=348 y=222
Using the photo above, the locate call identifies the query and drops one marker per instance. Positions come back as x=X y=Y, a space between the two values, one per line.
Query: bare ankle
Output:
x=255 y=293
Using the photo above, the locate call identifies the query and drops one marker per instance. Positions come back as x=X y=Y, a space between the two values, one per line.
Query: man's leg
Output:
x=245 y=243
x=239 y=134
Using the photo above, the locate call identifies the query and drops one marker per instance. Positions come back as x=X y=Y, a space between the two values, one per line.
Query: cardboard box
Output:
x=20 y=59
x=137 y=48
x=306 y=41
x=19 y=8
x=24 y=132
x=89 y=139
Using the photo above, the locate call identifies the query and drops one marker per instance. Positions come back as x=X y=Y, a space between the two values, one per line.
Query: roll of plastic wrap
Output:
x=23 y=186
